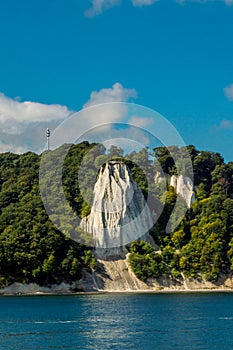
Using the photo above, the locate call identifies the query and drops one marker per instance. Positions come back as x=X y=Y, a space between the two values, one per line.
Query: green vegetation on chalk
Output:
x=32 y=249
x=202 y=245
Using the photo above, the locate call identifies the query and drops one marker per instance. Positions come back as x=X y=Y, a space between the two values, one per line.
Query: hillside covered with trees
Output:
x=202 y=245
x=32 y=249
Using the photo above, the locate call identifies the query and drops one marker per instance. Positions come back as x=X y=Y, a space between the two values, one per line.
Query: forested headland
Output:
x=32 y=249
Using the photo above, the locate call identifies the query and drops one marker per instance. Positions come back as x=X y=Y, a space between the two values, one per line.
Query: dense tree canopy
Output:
x=202 y=245
x=32 y=249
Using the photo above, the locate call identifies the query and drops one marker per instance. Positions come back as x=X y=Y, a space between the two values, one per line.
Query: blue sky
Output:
x=175 y=57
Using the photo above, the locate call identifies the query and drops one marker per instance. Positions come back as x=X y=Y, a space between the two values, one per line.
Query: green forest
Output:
x=202 y=245
x=32 y=249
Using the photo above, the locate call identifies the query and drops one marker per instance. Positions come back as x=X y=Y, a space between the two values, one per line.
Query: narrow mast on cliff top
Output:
x=47 y=139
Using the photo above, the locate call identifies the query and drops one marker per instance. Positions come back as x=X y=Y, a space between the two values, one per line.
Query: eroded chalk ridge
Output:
x=119 y=213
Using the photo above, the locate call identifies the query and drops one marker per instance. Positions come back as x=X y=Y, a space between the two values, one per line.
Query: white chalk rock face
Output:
x=183 y=186
x=119 y=213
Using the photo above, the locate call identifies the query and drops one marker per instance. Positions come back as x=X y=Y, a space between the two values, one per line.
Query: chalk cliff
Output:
x=119 y=212
x=183 y=186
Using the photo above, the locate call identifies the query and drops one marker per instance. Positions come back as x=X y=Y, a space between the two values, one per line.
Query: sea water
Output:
x=117 y=321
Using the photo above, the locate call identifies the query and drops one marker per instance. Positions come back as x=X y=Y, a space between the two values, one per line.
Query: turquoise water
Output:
x=117 y=321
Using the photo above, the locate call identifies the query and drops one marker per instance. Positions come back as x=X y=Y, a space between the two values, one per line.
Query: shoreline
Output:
x=94 y=284
x=108 y=292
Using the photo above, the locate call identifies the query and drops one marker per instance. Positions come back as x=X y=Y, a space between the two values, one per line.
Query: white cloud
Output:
x=143 y=2
x=97 y=120
x=227 y=2
x=226 y=124
x=113 y=111
x=23 y=124
x=228 y=90
x=140 y=121
x=108 y=112
x=99 y=6
x=4 y=147
x=15 y=116
x=117 y=93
